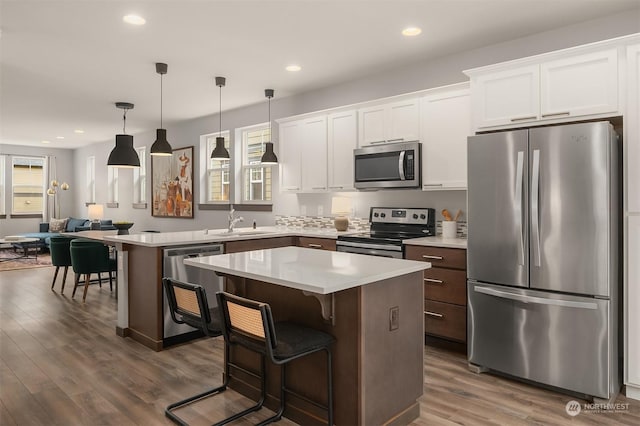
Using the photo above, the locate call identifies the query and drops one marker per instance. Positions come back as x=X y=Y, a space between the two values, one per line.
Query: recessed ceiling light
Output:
x=293 y=68
x=59 y=137
x=411 y=31
x=134 y=19
x=78 y=131
x=46 y=142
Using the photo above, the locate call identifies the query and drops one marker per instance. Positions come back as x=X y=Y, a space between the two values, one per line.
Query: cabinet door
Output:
x=446 y=123
x=506 y=97
x=579 y=85
x=372 y=125
x=403 y=123
x=342 y=140
x=632 y=124
x=314 y=154
x=632 y=298
x=290 y=148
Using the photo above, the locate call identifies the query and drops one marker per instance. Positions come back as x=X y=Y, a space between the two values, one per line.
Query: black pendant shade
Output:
x=220 y=152
x=269 y=157
x=161 y=146
x=123 y=155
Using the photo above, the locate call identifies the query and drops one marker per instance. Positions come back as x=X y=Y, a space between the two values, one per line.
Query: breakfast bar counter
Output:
x=373 y=306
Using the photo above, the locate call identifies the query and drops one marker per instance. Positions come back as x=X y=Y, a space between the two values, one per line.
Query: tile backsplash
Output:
x=320 y=222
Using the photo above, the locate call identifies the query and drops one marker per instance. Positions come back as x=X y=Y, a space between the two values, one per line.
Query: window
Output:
x=91 y=180
x=112 y=182
x=256 y=178
x=28 y=185
x=217 y=178
x=140 y=178
x=3 y=210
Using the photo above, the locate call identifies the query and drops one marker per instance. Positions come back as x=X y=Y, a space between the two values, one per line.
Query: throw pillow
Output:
x=57 y=225
x=73 y=223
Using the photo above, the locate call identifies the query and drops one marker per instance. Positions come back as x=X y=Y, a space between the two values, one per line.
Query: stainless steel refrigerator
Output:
x=543 y=242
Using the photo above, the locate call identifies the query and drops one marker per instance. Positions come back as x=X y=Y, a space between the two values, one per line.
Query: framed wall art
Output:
x=172 y=184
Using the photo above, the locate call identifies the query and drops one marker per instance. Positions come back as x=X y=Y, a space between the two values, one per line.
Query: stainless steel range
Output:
x=389 y=226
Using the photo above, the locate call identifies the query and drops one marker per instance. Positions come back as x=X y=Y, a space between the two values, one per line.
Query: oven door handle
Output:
x=369 y=246
x=401 y=165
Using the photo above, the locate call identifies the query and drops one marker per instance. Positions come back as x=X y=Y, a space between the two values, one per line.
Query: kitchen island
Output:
x=373 y=306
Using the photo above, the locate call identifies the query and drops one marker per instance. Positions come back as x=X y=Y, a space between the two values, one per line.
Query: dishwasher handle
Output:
x=195 y=251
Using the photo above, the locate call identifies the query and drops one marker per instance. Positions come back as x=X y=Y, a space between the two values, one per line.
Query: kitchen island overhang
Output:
x=373 y=306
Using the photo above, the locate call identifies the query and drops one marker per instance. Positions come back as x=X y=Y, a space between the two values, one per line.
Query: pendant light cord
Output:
x=124 y=122
x=161 y=101
x=220 y=112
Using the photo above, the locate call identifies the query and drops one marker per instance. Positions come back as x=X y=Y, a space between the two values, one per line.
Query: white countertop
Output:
x=166 y=239
x=438 y=241
x=317 y=271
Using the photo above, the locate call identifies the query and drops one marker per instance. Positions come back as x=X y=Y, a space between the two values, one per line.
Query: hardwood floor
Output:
x=61 y=363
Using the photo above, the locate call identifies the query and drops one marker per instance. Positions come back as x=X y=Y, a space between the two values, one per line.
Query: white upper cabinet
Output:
x=446 y=124
x=391 y=122
x=578 y=82
x=314 y=154
x=506 y=97
x=342 y=140
x=632 y=126
x=580 y=85
x=290 y=134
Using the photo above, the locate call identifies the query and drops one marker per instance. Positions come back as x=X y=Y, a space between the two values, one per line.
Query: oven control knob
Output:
x=422 y=216
x=383 y=215
x=375 y=215
x=415 y=216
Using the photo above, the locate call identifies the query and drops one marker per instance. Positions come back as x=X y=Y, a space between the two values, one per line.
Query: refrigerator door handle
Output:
x=535 y=207
x=518 y=207
x=533 y=299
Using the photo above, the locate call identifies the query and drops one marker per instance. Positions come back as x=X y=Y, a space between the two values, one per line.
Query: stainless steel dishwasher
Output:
x=174 y=267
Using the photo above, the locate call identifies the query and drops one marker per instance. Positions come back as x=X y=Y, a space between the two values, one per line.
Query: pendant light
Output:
x=161 y=146
x=123 y=155
x=269 y=157
x=220 y=152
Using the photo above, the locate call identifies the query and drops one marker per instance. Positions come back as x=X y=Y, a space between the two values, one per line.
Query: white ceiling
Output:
x=65 y=63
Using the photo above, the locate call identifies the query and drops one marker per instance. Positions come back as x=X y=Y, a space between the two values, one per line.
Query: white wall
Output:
x=421 y=75
x=64 y=166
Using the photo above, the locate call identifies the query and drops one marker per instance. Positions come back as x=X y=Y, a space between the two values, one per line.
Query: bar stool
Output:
x=60 y=256
x=249 y=323
x=90 y=257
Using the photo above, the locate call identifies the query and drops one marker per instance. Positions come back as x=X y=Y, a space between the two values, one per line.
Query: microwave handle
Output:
x=401 y=164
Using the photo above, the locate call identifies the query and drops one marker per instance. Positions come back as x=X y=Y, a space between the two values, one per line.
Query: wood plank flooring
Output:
x=61 y=363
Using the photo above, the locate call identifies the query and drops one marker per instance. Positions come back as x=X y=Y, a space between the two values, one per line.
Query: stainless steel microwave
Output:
x=393 y=165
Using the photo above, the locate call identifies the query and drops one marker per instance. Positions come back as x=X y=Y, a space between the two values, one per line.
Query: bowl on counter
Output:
x=123 y=227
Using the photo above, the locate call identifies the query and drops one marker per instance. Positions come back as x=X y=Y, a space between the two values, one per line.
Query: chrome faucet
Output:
x=233 y=220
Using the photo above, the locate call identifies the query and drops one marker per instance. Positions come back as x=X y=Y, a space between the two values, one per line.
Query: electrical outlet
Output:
x=394 y=318
x=320 y=210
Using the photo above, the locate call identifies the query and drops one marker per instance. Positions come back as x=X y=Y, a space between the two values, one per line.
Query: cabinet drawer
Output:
x=439 y=257
x=265 y=243
x=446 y=285
x=317 y=243
x=445 y=320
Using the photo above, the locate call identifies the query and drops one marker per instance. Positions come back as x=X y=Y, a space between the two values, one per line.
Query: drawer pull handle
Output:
x=336 y=187
x=314 y=245
x=556 y=114
x=426 y=256
x=431 y=280
x=433 y=314
x=531 y=117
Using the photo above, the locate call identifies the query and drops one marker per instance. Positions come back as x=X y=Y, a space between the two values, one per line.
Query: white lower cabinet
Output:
x=342 y=140
x=446 y=124
x=632 y=301
x=314 y=154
